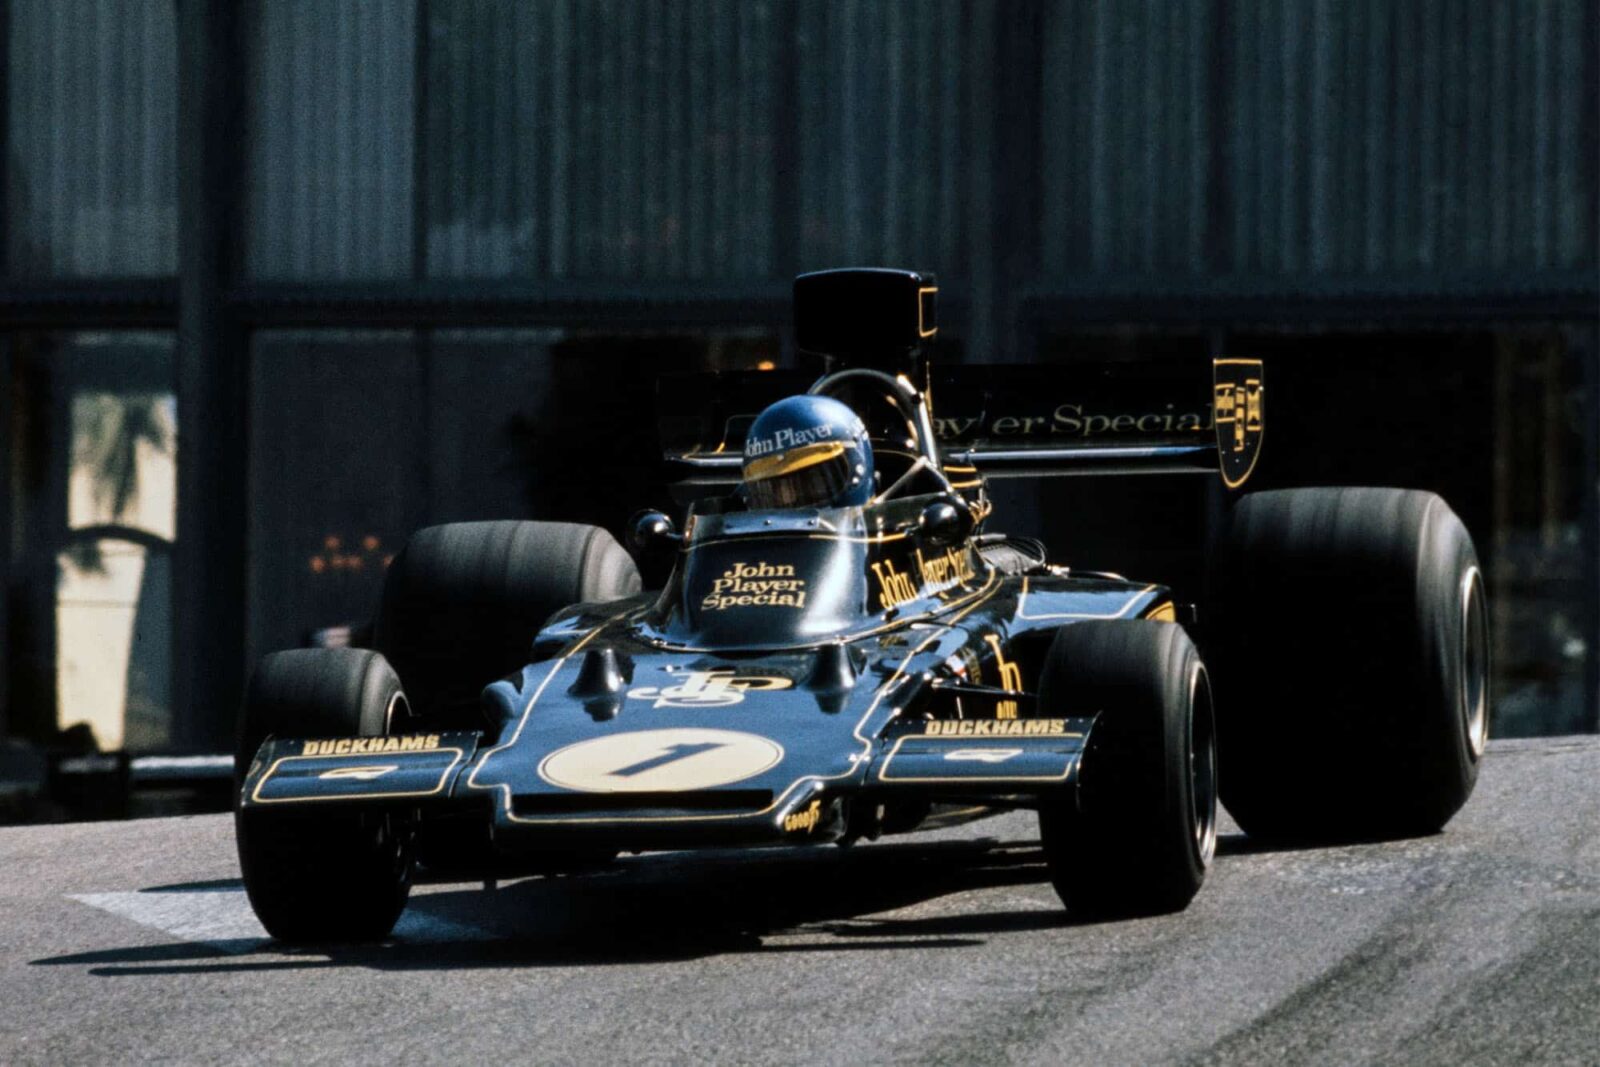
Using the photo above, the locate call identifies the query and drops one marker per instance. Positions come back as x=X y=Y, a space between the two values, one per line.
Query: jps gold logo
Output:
x=748 y=585
x=708 y=689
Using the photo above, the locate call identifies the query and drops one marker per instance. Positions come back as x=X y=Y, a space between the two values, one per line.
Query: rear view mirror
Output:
x=942 y=523
x=651 y=530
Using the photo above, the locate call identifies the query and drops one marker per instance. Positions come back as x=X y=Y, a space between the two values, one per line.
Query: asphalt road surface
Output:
x=132 y=942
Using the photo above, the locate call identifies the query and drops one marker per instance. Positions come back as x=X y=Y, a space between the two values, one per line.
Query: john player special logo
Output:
x=708 y=689
x=938 y=573
x=750 y=585
x=785 y=439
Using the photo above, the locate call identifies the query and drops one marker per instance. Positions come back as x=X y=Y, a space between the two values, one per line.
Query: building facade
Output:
x=285 y=279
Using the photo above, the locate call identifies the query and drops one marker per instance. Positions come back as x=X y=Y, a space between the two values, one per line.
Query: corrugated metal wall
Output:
x=720 y=141
x=609 y=139
x=1126 y=133
x=603 y=139
x=91 y=180
x=884 y=154
x=1340 y=139
x=1418 y=136
x=614 y=139
x=329 y=173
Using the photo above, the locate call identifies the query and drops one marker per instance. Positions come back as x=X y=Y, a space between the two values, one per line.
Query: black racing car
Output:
x=822 y=669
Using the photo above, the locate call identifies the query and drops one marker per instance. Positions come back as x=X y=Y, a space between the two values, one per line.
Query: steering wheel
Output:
x=908 y=402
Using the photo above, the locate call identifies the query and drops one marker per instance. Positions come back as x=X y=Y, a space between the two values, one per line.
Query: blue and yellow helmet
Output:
x=807 y=451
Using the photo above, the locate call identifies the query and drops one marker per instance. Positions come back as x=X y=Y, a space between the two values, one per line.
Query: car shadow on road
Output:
x=1240 y=844
x=656 y=908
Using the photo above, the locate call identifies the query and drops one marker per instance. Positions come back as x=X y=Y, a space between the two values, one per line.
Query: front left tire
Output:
x=321 y=875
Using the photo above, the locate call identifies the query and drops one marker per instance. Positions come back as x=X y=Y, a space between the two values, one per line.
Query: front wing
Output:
x=974 y=759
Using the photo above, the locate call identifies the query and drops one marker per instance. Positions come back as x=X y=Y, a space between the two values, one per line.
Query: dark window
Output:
x=90 y=169
x=338 y=475
x=329 y=158
x=638 y=144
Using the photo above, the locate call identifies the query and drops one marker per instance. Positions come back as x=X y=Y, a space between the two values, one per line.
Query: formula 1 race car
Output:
x=844 y=650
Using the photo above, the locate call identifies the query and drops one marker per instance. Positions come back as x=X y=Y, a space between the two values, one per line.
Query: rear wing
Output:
x=1036 y=421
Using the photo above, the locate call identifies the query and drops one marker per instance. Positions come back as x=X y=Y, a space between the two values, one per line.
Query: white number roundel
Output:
x=645 y=761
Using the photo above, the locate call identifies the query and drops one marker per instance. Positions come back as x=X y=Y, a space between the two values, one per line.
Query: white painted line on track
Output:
x=221 y=918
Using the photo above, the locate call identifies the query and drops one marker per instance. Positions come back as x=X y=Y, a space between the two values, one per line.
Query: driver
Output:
x=807 y=451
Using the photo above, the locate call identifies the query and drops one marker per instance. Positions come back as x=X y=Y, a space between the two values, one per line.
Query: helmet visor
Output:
x=816 y=476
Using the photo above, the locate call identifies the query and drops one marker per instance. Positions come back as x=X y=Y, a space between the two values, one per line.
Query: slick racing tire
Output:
x=1349 y=644
x=462 y=603
x=1139 y=832
x=323 y=875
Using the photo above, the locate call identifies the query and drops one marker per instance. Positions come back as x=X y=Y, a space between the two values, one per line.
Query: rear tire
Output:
x=1349 y=648
x=462 y=604
x=1140 y=831
x=321 y=875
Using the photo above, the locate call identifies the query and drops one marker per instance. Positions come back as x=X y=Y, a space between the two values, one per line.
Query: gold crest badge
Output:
x=1240 y=399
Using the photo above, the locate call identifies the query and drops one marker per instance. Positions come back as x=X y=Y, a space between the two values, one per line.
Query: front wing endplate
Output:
x=982 y=753
x=413 y=766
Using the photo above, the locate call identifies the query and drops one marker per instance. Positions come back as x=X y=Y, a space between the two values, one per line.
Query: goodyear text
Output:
x=805 y=820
